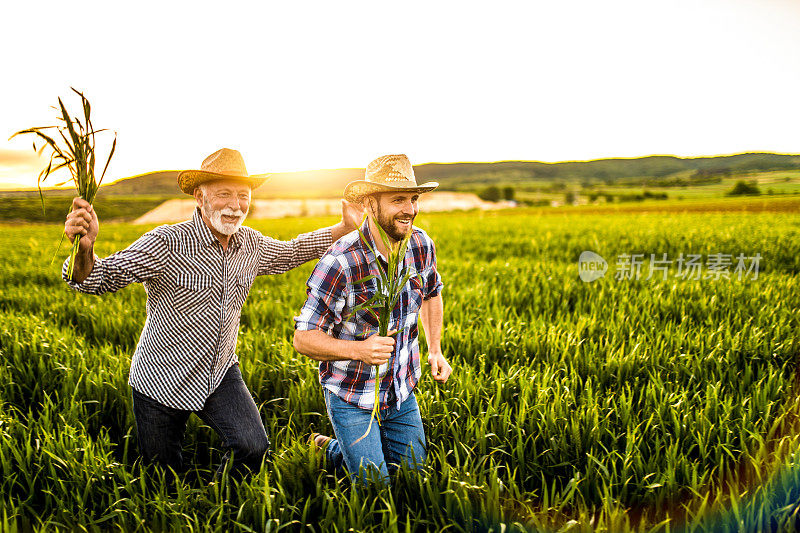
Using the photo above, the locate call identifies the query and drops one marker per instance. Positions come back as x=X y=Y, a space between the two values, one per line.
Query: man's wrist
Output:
x=325 y=348
x=355 y=353
x=338 y=231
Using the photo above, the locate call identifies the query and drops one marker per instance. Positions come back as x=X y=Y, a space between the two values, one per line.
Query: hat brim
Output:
x=188 y=180
x=356 y=190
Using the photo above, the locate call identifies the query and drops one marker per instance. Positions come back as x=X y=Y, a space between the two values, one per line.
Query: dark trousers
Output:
x=230 y=411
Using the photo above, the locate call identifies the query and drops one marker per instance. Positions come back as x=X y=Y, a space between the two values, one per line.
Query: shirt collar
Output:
x=203 y=232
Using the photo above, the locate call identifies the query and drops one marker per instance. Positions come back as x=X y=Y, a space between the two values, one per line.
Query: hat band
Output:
x=226 y=172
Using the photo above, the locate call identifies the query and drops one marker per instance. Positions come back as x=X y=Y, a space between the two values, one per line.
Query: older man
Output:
x=197 y=275
x=344 y=341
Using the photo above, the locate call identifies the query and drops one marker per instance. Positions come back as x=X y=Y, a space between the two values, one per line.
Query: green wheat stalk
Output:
x=73 y=148
x=390 y=285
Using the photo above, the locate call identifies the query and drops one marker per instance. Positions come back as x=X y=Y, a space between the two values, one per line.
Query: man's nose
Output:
x=410 y=208
x=238 y=204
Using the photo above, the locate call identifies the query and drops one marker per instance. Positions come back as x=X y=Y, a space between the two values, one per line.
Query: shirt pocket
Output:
x=412 y=296
x=192 y=293
x=242 y=287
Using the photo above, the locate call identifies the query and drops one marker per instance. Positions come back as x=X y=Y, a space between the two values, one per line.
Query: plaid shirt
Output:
x=331 y=295
x=195 y=292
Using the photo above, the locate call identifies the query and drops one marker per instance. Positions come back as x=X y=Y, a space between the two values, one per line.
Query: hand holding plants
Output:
x=82 y=222
x=376 y=349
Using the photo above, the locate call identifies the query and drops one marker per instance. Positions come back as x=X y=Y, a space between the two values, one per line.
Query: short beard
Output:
x=215 y=217
x=388 y=226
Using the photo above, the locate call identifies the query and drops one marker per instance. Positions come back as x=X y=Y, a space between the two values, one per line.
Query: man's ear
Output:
x=198 y=195
x=370 y=204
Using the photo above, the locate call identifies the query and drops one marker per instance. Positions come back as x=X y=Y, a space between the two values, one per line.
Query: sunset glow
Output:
x=306 y=86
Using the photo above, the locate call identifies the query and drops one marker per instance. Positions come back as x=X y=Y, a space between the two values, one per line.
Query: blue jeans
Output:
x=230 y=411
x=400 y=438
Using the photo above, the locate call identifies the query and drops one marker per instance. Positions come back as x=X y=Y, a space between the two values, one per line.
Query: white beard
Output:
x=225 y=228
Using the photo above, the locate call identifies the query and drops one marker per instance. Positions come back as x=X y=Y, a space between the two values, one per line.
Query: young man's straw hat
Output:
x=224 y=164
x=386 y=174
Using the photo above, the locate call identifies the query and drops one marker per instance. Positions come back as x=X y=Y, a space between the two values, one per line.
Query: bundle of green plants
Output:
x=72 y=146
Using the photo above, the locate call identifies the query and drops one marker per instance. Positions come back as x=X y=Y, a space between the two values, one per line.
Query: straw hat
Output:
x=387 y=173
x=224 y=164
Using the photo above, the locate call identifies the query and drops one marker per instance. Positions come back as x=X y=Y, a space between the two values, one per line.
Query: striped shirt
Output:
x=331 y=296
x=195 y=292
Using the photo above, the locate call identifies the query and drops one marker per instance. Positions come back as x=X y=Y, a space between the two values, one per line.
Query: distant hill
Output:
x=461 y=176
x=313 y=183
x=152 y=183
x=470 y=175
x=609 y=170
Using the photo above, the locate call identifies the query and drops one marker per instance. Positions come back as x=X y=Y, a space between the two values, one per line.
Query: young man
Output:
x=345 y=343
x=197 y=275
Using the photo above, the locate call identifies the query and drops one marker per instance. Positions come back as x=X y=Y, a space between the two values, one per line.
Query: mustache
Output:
x=227 y=211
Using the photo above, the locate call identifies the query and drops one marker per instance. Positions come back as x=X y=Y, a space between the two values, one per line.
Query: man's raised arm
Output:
x=277 y=257
x=142 y=260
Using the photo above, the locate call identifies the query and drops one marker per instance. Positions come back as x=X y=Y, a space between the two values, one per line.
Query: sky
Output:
x=308 y=85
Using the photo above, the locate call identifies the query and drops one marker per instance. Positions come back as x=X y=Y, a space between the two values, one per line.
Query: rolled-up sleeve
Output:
x=325 y=297
x=432 y=281
x=277 y=257
x=142 y=260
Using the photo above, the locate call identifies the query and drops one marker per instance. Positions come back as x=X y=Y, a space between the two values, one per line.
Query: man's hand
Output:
x=82 y=220
x=352 y=215
x=440 y=368
x=375 y=350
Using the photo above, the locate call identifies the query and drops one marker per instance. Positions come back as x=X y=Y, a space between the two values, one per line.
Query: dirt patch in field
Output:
x=179 y=209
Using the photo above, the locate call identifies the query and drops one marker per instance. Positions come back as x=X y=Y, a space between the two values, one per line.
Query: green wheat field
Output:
x=616 y=405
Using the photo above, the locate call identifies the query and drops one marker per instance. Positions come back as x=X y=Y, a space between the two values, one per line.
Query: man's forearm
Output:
x=432 y=314
x=84 y=263
x=320 y=346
